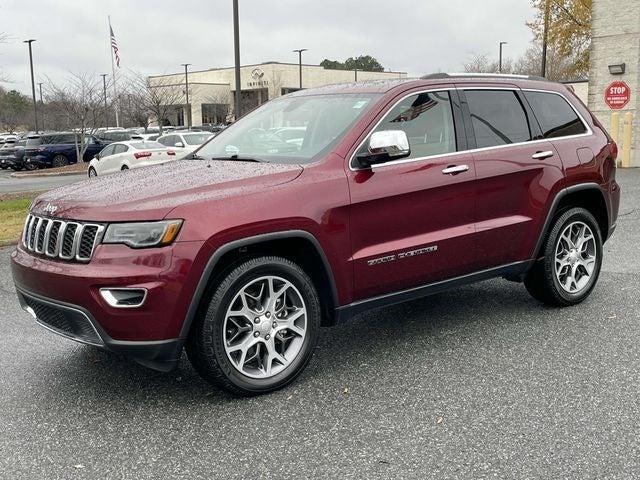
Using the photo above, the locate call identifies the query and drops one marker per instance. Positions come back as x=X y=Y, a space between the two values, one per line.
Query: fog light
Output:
x=124 y=297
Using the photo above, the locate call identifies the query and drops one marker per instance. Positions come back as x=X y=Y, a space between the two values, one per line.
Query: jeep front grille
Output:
x=66 y=240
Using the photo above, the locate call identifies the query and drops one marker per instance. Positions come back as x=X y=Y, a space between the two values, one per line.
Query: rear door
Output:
x=516 y=170
x=412 y=223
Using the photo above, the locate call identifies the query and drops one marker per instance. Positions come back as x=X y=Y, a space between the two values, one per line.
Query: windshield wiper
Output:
x=193 y=156
x=238 y=159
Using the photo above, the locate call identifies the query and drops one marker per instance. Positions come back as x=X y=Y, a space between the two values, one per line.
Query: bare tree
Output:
x=81 y=101
x=154 y=97
x=221 y=101
x=482 y=63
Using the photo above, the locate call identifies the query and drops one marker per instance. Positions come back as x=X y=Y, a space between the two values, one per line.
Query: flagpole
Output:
x=113 y=71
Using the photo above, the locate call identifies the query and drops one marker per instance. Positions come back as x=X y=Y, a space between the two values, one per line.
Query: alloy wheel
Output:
x=575 y=257
x=265 y=327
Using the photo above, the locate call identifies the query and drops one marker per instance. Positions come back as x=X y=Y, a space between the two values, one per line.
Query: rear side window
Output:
x=556 y=117
x=119 y=148
x=34 y=142
x=498 y=117
x=427 y=119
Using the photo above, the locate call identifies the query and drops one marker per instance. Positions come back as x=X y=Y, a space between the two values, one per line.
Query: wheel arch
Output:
x=293 y=244
x=586 y=195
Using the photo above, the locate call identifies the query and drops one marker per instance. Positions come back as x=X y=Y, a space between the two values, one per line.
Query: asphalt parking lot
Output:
x=479 y=382
x=9 y=184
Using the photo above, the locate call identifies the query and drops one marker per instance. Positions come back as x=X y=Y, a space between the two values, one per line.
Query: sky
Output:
x=155 y=37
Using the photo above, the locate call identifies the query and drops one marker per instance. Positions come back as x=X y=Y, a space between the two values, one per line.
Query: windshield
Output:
x=319 y=121
x=197 y=139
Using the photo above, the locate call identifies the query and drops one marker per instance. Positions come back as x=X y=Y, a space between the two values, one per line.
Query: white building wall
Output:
x=616 y=39
x=209 y=86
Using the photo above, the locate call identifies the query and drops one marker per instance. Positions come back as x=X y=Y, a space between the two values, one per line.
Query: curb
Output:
x=46 y=174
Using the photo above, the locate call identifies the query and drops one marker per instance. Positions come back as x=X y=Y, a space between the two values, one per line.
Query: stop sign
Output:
x=617 y=95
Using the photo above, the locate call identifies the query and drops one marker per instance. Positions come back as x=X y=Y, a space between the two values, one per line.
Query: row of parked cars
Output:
x=57 y=149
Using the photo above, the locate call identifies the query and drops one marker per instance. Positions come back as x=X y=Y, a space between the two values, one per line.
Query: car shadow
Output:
x=102 y=376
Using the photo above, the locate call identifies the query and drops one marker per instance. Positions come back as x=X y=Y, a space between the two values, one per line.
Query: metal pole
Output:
x=300 y=50
x=545 y=37
x=113 y=73
x=104 y=90
x=41 y=103
x=236 y=46
x=186 y=82
x=500 y=58
x=33 y=85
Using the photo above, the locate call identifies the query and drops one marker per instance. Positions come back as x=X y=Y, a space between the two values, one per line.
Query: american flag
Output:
x=114 y=45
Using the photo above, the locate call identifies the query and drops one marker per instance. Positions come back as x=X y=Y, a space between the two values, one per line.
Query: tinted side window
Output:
x=120 y=149
x=427 y=119
x=498 y=117
x=556 y=117
x=167 y=140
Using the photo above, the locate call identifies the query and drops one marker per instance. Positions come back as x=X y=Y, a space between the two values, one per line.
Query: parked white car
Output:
x=132 y=154
x=184 y=142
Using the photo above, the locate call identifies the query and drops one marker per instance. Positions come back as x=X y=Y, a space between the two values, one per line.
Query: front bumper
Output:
x=65 y=298
x=39 y=161
x=77 y=324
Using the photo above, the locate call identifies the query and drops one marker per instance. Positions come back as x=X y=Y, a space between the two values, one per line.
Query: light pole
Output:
x=236 y=47
x=500 y=57
x=33 y=84
x=300 y=50
x=545 y=36
x=41 y=103
x=104 y=94
x=186 y=90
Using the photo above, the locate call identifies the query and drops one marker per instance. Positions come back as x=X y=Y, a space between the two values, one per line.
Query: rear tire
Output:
x=572 y=260
x=260 y=327
x=124 y=167
x=60 y=161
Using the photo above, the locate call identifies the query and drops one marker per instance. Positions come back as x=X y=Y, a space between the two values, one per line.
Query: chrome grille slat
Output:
x=65 y=240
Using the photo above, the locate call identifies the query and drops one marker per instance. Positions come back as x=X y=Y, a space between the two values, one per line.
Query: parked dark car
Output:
x=11 y=155
x=58 y=150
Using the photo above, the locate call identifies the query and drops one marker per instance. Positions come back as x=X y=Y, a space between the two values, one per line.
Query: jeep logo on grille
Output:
x=50 y=209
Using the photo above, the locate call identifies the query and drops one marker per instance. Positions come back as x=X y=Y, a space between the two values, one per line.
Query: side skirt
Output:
x=513 y=271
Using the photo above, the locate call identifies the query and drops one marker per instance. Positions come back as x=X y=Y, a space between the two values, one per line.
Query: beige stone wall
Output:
x=616 y=39
x=218 y=83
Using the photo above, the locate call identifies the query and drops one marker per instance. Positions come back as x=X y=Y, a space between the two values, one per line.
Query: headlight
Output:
x=143 y=234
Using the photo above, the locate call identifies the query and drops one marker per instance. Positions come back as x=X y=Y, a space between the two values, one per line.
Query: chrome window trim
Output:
x=473 y=150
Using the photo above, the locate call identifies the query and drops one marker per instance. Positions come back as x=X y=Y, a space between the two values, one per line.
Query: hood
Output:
x=151 y=193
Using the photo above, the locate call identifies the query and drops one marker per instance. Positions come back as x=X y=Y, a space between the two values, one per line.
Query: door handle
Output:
x=455 y=169
x=542 y=155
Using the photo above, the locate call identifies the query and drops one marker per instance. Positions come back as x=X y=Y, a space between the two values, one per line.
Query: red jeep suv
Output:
x=319 y=205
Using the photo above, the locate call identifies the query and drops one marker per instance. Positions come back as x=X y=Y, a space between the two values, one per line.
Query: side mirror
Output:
x=96 y=156
x=384 y=146
x=179 y=144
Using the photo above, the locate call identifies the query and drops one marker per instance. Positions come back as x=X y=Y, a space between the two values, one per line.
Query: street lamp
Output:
x=300 y=50
x=41 y=103
x=236 y=47
x=186 y=81
x=104 y=90
x=500 y=57
x=33 y=84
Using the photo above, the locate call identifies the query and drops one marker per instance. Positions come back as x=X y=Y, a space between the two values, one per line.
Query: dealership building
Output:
x=212 y=92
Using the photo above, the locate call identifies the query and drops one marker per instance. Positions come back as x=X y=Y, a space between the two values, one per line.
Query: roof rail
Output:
x=434 y=76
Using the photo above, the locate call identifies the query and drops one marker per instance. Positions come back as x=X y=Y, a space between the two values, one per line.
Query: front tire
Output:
x=92 y=172
x=260 y=327
x=572 y=260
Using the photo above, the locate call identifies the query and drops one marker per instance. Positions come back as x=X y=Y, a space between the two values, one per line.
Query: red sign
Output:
x=617 y=95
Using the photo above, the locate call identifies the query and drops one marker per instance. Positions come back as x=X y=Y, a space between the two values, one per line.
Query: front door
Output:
x=412 y=220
